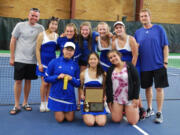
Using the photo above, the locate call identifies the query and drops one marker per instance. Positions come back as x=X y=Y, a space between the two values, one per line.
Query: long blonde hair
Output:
x=108 y=30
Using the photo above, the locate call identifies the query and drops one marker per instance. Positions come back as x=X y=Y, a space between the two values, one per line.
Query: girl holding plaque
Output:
x=122 y=89
x=63 y=74
x=92 y=76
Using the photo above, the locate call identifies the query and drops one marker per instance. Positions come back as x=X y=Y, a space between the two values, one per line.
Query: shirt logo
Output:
x=60 y=67
x=71 y=67
x=147 y=32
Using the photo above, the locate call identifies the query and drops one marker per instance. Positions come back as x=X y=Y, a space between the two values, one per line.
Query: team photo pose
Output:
x=63 y=74
x=45 y=51
x=122 y=89
x=92 y=76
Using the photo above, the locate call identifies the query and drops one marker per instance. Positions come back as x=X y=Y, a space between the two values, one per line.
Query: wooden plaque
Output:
x=94 y=99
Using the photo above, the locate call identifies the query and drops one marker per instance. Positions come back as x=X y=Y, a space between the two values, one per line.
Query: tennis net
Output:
x=7 y=82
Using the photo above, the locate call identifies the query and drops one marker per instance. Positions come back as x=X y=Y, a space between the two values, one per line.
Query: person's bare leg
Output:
x=17 y=92
x=149 y=96
x=140 y=103
x=132 y=114
x=27 y=87
x=159 y=98
x=89 y=119
x=47 y=92
x=101 y=120
x=43 y=90
x=116 y=112
x=59 y=116
x=69 y=116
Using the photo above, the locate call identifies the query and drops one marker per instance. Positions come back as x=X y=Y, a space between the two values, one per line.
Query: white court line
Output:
x=138 y=128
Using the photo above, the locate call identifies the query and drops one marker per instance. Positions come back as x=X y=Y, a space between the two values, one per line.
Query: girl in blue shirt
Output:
x=70 y=35
x=87 y=42
x=62 y=101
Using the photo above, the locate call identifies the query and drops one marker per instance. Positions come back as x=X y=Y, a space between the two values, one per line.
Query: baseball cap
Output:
x=70 y=44
x=118 y=22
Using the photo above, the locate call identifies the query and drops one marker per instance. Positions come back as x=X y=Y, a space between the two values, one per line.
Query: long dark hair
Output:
x=115 y=51
x=89 y=38
x=99 y=70
x=52 y=19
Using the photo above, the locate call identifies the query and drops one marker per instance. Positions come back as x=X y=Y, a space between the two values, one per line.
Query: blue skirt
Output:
x=92 y=113
x=39 y=73
x=58 y=105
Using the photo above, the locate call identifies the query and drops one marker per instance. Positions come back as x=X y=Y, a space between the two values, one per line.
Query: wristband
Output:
x=166 y=63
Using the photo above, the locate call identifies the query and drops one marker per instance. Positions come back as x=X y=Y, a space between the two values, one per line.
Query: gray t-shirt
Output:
x=26 y=36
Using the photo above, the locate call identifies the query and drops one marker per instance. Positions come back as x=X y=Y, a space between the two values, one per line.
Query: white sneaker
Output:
x=46 y=107
x=42 y=107
x=106 y=107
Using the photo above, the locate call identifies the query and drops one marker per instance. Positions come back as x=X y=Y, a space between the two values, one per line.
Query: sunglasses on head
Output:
x=35 y=9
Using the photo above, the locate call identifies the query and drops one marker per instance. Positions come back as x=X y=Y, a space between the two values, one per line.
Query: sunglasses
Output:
x=35 y=9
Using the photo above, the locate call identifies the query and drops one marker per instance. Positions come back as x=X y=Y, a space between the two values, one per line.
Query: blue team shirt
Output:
x=152 y=42
x=85 y=50
x=55 y=68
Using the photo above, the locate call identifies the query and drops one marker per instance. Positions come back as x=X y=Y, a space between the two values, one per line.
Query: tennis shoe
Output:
x=142 y=113
x=149 y=113
x=42 y=107
x=46 y=105
x=159 y=118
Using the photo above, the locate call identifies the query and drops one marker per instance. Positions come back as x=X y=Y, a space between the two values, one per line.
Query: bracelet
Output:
x=165 y=63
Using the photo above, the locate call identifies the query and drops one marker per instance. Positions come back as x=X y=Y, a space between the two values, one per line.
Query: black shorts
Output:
x=24 y=71
x=159 y=76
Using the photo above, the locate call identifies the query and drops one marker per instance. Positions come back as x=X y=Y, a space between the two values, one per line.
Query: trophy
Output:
x=86 y=106
x=65 y=83
x=94 y=99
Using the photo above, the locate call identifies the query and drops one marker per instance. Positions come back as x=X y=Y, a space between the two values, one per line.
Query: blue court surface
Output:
x=36 y=123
